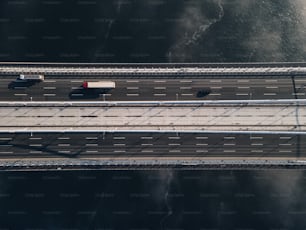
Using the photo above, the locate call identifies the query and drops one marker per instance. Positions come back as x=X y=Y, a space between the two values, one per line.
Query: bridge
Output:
x=247 y=120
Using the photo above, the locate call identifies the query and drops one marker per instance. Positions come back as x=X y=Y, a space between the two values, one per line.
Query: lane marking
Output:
x=201 y=144
x=132 y=88
x=201 y=138
x=91 y=138
x=187 y=94
x=215 y=81
x=35 y=138
x=132 y=94
x=76 y=81
x=5 y=138
x=144 y=144
x=243 y=80
x=63 y=145
x=185 y=81
x=147 y=138
x=160 y=81
x=284 y=151
x=119 y=151
x=49 y=81
x=271 y=80
x=35 y=145
x=160 y=88
x=63 y=138
x=132 y=81
x=269 y=94
x=94 y=145
x=256 y=151
x=244 y=87
x=229 y=144
x=91 y=151
x=119 y=144
x=255 y=138
x=119 y=138
x=174 y=138
x=242 y=94
x=257 y=144
x=216 y=87
x=174 y=144
x=20 y=94
x=64 y=151
x=147 y=151
x=159 y=94
x=50 y=87
x=201 y=150
x=271 y=87
x=285 y=138
x=49 y=94
x=185 y=88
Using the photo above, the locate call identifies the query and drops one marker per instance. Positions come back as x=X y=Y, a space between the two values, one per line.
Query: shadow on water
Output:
x=21 y=84
x=87 y=93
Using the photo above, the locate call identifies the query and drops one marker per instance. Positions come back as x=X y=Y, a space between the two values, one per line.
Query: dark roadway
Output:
x=25 y=145
x=60 y=89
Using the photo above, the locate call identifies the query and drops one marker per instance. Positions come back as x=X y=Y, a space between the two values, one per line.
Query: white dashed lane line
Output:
x=269 y=94
x=132 y=88
x=132 y=94
x=49 y=88
x=20 y=94
x=160 y=88
x=185 y=88
x=159 y=94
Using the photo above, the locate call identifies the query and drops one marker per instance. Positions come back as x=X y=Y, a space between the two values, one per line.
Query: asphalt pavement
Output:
x=61 y=89
x=101 y=144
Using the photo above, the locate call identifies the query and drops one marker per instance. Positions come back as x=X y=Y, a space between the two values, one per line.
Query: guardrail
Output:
x=170 y=131
x=156 y=71
x=154 y=103
x=67 y=164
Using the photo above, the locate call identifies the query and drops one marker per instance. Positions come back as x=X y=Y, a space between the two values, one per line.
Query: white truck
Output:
x=99 y=85
x=31 y=77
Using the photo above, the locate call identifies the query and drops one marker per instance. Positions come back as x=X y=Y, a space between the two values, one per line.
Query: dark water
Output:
x=153 y=31
x=153 y=200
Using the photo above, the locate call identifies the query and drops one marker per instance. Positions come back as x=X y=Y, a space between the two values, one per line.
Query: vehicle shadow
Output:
x=203 y=92
x=21 y=84
x=87 y=93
